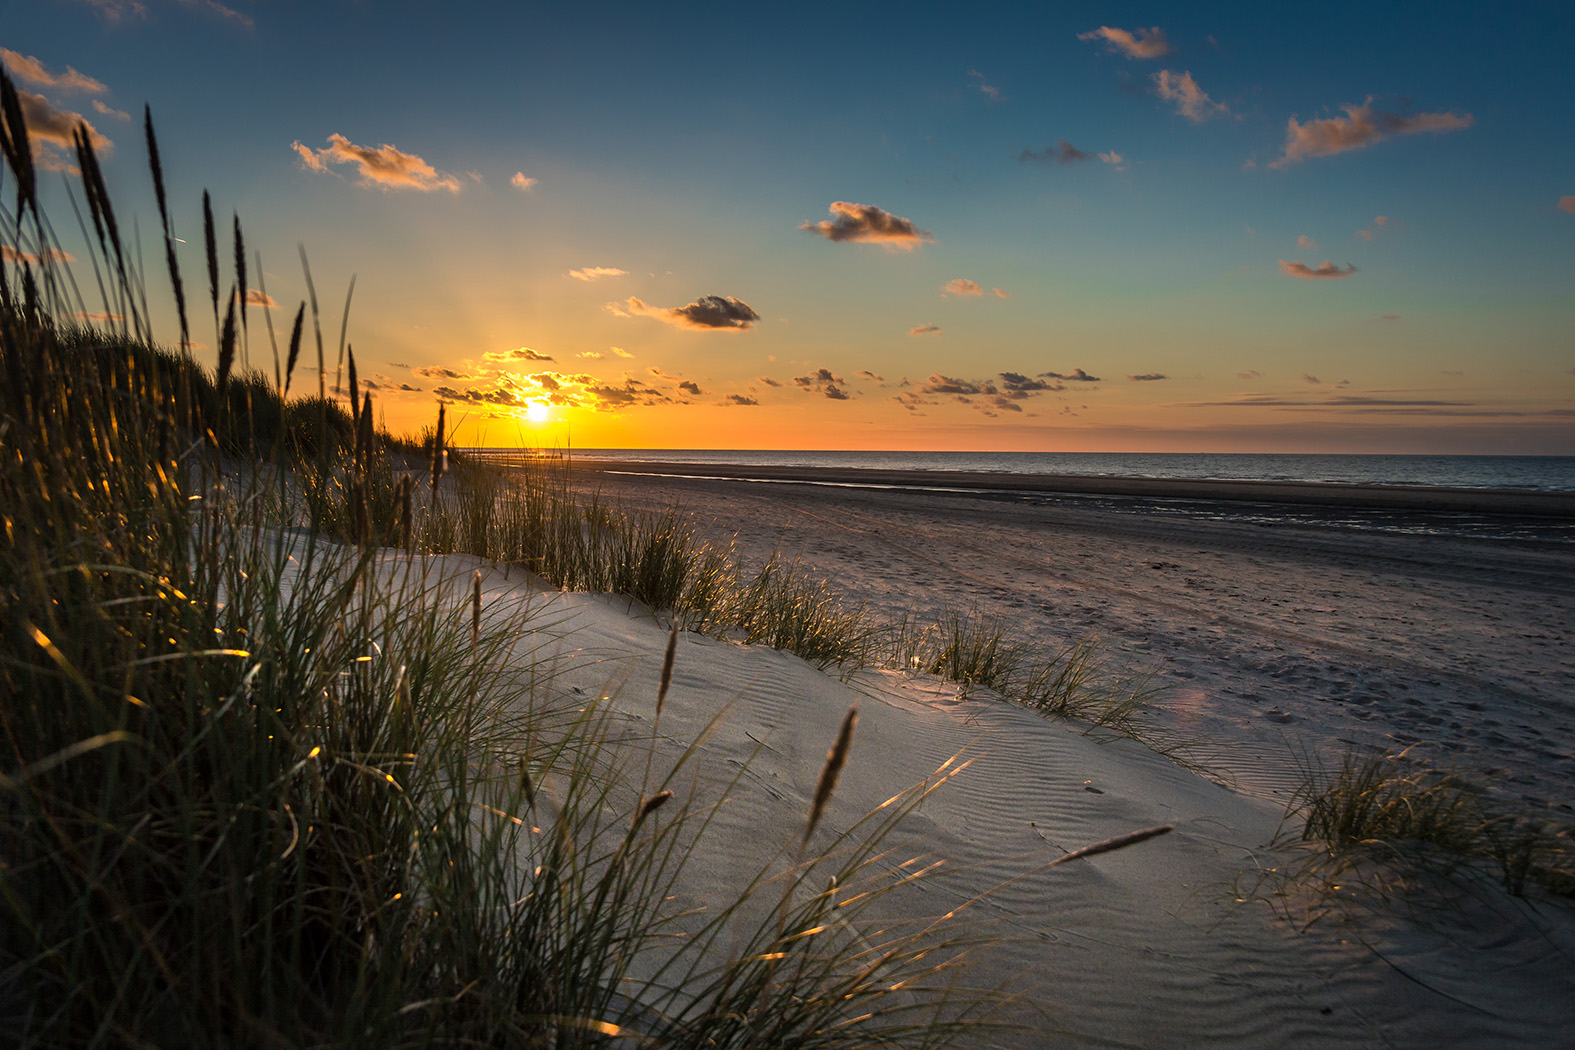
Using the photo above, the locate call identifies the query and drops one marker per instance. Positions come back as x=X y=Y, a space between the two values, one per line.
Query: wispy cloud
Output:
x=385 y=166
x=739 y=399
x=16 y=255
x=620 y=351
x=220 y=9
x=258 y=297
x=1148 y=377
x=709 y=313
x=1077 y=375
x=50 y=130
x=438 y=372
x=1305 y=241
x=1359 y=128
x=1379 y=223
x=1144 y=43
x=523 y=353
x=112 y=11
x=1190 y=100
x=596 y=273
x=1251 y=373
x=109 y=111
x=1328 y=271
x=961 y=286
x=989 y=90
x=521 y=181
x=1567 y=204
x=30 y=70
x=768 y=381
x=869 y=224
x=1063 y=152
x=925 y=329
x=1307 y=377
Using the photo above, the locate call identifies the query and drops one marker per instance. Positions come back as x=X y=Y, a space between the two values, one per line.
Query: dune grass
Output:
x=266 y=780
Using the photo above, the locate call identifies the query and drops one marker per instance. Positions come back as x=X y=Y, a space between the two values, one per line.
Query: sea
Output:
x=1537 y=473
x=1532 y=473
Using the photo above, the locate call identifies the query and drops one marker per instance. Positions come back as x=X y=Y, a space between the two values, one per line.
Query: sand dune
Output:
x=1144 y=947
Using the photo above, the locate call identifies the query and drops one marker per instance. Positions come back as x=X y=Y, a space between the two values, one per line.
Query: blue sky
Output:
x=1153 y=189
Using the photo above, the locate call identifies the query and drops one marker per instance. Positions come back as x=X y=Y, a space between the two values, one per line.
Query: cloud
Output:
x=51 y=130
x=739 y=399
x=258 y=297
x=17 y=256
x=709 y=313
x=1077 y=375
x=767 y=380
x=218 y=8
x=520 y=181
x=385 y=166
x=1145 y=43
x=690 y=387
x=591 y=355
x=993 y=92
x=1019 y=386
x=1148 y=377
x=523 y=353
x=943 y=384
x=1389 y=317
x=435 y=372
x=961 y=286
x=1251 y=373
x=865 y=373
x=620 y=351
x=110 y=111
x=1379 y=222
x=1305 y=241
x=869 y=224
x=925 y=329
x=1063 y=152
x=821 y=381
x=1567 y=204
x=1327 y=271
x=112 y=11
x=835 y=393
x=31 y=70
x=596 y=273
x=1307 y=378
x=1191 y=101
x=1359 y=128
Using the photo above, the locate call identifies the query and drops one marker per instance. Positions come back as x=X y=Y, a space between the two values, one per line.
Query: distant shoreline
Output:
x=1317 y=494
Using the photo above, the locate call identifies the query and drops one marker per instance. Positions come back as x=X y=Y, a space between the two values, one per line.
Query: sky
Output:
x=1069 y=227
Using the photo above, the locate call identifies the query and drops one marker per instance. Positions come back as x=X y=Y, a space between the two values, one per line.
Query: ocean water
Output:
x=1543 y=473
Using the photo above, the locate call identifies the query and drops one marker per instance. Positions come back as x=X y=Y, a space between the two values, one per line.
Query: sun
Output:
x=537 y=411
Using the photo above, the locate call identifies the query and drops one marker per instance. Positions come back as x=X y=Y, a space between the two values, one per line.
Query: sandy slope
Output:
x=1267 y=638
x=1145 y=947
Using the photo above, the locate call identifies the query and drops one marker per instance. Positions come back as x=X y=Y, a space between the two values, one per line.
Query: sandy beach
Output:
x=1267 y=633
x=1263 y=642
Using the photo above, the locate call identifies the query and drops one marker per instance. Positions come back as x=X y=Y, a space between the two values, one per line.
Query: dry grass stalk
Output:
x=667 y=670
x=295 y=348
x=1119 y=842
x=213 y=255
x=170 y=261
x=836 y=758
x=475 y=609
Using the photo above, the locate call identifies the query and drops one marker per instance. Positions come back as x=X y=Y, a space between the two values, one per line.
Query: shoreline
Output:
x=1509 y=502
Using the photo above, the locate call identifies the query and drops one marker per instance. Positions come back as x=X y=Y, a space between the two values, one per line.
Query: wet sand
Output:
x=1270 y=636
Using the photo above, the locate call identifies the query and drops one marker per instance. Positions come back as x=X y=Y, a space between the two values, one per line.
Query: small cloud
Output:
x=98 y=318
x=999 y=294
x=740 y=399
x=1389 y=317
x=767 y=380
x=1114 y=159
x=50 y=255
x=690 y=387
x=258 y=297
x=520 y=181
x=1327 y=271
x=385 y=166
x=1190 y=100
x=436 y=372
x=30 y=70
x=1567 y=204
x=835 y=393
x=620 y=351
x=869 y=224
x=1251 y=373
x=961 y=286
x=925 y=329
x=109 y=111
x=1148 y=377
x=1063 y=152
x=1379 y=222
x=51 y=130
x=112 y=11
x=591 y=355
x=1144 y=43
x=523 y=353
x=709 y=313
x=994 y=93
x=596 y=273
x=1305 y=241
x=1306 y=378
x=1077 y=375
x=867 y=374
x=1359 y=128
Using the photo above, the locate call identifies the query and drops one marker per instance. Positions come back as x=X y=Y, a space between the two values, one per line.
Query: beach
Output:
x=1269 y=648
x=1268 y=637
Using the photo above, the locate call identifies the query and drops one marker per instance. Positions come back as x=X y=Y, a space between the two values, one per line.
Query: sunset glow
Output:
x=1047 y=230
